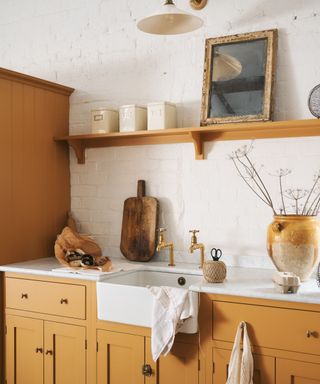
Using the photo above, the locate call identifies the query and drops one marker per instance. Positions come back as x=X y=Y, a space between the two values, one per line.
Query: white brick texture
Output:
x=95 y=47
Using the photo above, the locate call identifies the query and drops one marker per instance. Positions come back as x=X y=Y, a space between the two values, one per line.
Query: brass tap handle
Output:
x=161 y=235
x=194 y=237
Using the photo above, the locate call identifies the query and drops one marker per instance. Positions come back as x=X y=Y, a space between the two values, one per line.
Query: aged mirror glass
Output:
x=238 y=76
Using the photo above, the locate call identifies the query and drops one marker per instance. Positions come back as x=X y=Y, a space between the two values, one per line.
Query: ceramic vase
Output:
x=293 y=244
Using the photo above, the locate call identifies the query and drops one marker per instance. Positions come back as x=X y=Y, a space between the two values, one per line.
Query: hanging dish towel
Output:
x=241 y=364
x=171 y=306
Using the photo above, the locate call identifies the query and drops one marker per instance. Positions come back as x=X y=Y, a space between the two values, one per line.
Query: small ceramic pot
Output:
x=293 y=244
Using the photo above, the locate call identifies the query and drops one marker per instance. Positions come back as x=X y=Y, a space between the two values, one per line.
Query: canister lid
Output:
x=160 y=103
x=132 y=106
x=104 y=109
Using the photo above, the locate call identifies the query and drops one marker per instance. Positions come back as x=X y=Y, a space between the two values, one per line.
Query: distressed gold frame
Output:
x=272 y=37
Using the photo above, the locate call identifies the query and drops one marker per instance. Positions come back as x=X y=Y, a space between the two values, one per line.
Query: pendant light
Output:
x=170 y=20
x=225 y=67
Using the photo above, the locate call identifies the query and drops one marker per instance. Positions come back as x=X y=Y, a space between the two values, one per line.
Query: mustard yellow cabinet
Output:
x=264 y=367
x=284 y=338
x=50 y=335
x=46 y=352
x=297 y=372
x=64 y=353
x=180 y=366
x=126 y=358
x=120 y=358
x=24 y=350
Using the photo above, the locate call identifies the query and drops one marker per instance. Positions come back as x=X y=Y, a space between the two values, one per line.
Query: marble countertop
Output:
x=49 y=266
x=244 y=282
x=257 y=283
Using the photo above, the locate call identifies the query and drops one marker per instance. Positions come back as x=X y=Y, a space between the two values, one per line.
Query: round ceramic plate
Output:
x=314 y=101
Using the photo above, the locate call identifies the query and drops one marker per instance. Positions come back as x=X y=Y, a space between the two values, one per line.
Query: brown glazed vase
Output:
x=293 y=244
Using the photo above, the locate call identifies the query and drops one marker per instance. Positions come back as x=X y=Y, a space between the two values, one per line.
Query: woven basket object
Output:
x=214 y=271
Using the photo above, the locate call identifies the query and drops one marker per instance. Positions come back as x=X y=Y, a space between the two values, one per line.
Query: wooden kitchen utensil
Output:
x=139 y=222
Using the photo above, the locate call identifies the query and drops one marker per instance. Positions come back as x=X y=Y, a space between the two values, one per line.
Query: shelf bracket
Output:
x=198 y=145
x=79 y=150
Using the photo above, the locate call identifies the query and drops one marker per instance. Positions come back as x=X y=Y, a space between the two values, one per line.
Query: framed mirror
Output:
x=238 y=78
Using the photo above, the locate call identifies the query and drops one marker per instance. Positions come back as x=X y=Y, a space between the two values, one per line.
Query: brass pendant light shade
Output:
x=170 y=20
x=198 y=4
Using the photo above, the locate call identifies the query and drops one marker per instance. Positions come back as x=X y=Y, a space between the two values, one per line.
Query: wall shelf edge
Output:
x=195 y=135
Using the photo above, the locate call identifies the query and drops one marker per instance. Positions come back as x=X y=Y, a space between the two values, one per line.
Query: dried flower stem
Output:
x=244 y=179
x=251 y=171
x=281 y=194
x=310 y=193
x=250 y=175
x=262 y=183
x=314 y=206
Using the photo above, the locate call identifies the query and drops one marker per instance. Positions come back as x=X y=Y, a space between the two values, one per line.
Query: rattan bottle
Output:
x=215 y=271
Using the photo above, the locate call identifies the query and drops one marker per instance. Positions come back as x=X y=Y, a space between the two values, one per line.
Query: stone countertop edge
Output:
x=242 y=282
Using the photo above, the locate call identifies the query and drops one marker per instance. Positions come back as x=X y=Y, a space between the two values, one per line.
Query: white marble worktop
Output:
x=257 y=283
x=49 y=266
x=244 y=282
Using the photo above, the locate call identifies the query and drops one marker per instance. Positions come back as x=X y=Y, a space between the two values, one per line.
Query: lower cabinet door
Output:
x=120 y=358
x=264 y=368
x=180 y=366
x=64 y=353
x=24 y=350
x=297 y=372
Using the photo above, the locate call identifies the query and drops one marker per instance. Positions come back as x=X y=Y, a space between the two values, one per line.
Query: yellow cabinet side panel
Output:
x=120 y=358
x=297 y=372
x=64 y=353
x=264 y=367
x=24 y=350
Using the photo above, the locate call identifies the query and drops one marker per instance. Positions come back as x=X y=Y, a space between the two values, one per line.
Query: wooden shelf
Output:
x=195 y=135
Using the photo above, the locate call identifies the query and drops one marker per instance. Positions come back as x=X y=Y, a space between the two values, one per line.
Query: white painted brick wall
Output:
x=95 y=47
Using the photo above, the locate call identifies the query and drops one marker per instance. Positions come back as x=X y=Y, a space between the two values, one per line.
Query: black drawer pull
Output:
x=64 y=301
x=24 y=295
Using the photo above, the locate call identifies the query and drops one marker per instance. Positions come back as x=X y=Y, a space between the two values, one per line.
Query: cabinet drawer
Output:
x=46 y=297
x=287 y=329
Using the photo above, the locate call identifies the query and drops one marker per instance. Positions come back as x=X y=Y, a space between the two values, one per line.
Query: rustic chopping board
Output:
x=139 y=223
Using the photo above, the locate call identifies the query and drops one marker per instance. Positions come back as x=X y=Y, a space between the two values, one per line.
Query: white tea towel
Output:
x=241 y=367
x=171 y=306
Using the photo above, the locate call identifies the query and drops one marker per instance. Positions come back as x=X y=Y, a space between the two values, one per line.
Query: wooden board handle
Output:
x=141 y=190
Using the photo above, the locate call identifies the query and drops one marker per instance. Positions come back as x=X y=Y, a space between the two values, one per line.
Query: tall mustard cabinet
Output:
x=35 y=180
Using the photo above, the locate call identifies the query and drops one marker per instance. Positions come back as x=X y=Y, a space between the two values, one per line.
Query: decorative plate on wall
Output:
x=314 y=101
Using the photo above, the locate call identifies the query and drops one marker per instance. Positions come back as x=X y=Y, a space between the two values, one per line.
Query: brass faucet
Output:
x=195 y=245
x=162 y=244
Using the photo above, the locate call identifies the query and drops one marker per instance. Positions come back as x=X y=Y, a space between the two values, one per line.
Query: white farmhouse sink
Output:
x=124 y=298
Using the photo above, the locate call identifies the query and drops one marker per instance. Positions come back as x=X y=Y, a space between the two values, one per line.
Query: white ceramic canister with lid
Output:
x=104 y=120
x=162 y=115
x=132 y=118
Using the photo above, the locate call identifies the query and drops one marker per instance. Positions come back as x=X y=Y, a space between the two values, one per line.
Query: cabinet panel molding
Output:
x=24 y=349
x=64 y=353
x=120 y=358
x=297 y=372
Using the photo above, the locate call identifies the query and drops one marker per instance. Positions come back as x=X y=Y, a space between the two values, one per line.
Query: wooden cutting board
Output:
x=139 y=223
